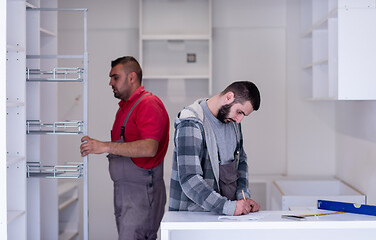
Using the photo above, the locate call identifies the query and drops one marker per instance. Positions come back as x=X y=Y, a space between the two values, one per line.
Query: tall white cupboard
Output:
x=42 y=191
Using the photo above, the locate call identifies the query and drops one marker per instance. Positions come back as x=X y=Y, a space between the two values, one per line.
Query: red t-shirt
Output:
x=149 y=119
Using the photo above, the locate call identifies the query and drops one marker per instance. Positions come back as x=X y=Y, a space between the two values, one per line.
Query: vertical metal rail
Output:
x=86 y=167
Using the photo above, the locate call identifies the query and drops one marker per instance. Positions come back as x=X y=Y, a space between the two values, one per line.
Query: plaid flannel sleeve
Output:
x=189 y=145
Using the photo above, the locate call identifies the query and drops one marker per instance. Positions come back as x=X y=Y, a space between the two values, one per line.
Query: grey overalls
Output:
x=139 y=195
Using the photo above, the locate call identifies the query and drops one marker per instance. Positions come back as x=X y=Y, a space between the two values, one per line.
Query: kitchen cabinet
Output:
x=42 y=191
x=338 y=49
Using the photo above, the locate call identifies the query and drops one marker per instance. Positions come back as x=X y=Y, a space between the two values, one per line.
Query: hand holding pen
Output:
x=245 y=206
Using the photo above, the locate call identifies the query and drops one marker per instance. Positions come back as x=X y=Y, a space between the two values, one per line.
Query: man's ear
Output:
x=229 y=97
x=132 y=77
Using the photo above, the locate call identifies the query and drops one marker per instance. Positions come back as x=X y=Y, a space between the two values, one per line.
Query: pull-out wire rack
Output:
x=63 y=127
x=57 y=74
x=69 y=170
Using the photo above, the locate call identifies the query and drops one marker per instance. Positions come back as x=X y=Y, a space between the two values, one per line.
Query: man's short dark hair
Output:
x=244 y=91
x=130 y=65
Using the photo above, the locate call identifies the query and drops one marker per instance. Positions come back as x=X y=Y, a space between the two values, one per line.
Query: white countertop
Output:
x=186 y=225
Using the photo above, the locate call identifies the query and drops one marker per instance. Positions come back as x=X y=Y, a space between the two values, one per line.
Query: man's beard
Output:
x=223 y=112
x=116 y=95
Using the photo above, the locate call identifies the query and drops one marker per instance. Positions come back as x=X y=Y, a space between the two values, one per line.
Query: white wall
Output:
x=310 y=124
x=249 y=44
x=356 y=145
x=253 y=40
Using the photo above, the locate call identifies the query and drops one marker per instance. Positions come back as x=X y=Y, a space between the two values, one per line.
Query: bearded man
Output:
x=209 y=169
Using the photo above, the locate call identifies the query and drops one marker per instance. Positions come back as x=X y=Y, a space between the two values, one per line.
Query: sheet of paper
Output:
x=249 y=216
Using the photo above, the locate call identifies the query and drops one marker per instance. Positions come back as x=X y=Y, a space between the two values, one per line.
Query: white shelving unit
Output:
x=42 y=194
x=15 y=120
x=53 y=186
x=173 y=43
x=338 y=49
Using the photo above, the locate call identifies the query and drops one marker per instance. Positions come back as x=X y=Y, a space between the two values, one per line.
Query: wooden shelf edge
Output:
x=67 y=202
x=317 y=24
x=316 y=63
x=30 y=5
x=13 y=215
x=46 y=32
x=320 y=62
x=308 y=66
x=68 y=235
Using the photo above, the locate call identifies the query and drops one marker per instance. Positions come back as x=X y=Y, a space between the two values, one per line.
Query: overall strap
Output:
x=129 y=113
x=238 y=139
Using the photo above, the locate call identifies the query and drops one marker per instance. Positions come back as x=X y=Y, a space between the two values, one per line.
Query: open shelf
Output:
x=175 y=44
x=320 y=24
x=67 y=202
x=68 y=215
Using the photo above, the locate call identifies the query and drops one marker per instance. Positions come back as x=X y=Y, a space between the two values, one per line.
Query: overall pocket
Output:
x=228 y=180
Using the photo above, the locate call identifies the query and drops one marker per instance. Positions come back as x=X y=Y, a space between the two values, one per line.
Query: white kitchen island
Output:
x=207 y=226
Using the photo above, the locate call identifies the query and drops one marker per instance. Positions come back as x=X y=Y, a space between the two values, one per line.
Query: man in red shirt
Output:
x=140 y=136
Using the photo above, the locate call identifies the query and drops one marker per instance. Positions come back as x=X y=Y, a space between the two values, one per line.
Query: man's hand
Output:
x=90 y=145
x=246 y=206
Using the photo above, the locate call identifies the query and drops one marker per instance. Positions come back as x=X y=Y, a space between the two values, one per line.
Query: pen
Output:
x=303 y=217
x=317 y=214
x=244 y=200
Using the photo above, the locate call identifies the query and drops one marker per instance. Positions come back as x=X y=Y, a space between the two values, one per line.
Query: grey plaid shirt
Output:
x=193 y=185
